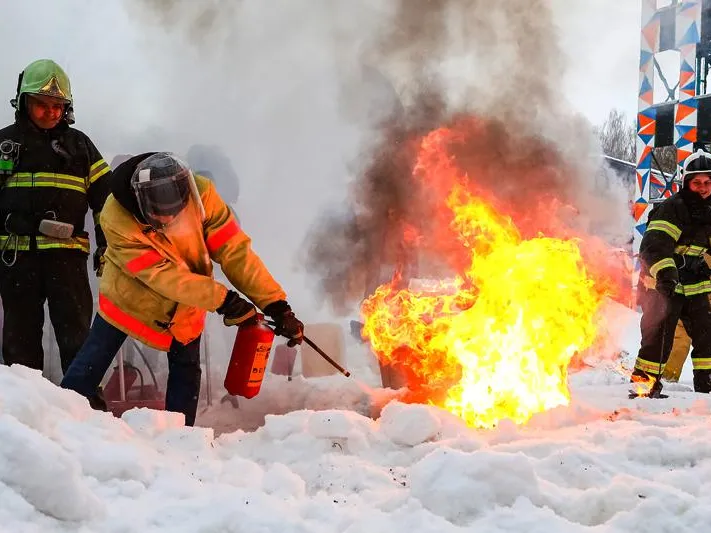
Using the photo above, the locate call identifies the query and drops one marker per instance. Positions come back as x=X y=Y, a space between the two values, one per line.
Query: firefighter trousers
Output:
x=104 y=341
x=660 y=316
x=679 y=353
x=58 y=277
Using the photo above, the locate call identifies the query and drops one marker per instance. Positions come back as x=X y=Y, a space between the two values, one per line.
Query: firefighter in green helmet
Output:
x=50 y=175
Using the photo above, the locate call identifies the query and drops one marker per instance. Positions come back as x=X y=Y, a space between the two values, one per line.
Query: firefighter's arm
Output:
x=659 y=241
x=172 y=281
x=229 y=246
x=98 y=188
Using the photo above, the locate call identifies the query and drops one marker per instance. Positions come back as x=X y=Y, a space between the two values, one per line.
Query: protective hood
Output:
x=121 y=185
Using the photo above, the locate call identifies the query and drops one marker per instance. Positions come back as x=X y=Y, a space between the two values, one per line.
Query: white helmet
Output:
x=697 y=163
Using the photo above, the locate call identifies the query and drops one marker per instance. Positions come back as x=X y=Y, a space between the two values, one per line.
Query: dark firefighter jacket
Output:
x=59 y=174
x=677 y=236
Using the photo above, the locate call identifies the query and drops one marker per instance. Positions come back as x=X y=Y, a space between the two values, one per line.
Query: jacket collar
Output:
x=699 y=209
x=26 y=126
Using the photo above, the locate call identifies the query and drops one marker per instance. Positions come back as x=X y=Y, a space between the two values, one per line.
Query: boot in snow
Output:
x=702 y=381
x=97 y=401
x=646 y=385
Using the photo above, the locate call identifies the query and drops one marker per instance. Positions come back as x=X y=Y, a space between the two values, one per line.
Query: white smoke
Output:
x=278 y=87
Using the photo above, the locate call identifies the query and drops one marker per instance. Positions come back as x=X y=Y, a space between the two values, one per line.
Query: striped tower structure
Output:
x=688 y=35
x=674 y=27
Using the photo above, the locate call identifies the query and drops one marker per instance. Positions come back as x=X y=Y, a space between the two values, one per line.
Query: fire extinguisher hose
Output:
x=321 y=353
x=326 y=357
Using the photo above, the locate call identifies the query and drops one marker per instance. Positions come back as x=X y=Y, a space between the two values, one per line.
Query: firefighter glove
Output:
x=235 y=310
x=286 y=324
x=99 y=260
x=667 y=280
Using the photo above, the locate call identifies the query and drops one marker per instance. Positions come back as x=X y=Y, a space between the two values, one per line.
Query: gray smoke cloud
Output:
x=450 y=61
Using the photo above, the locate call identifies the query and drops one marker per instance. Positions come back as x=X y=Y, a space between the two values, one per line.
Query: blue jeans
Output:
x=101 y=346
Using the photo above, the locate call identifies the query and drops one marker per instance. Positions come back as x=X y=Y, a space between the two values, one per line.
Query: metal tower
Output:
x=683 y=120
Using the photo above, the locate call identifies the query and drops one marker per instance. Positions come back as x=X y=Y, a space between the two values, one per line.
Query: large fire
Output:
x=495 y=341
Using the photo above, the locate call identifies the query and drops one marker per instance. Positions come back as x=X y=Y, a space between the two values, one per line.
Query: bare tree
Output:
x=665 y=159
x=618 y=136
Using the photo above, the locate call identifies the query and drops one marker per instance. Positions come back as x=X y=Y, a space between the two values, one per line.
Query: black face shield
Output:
x=162 y=187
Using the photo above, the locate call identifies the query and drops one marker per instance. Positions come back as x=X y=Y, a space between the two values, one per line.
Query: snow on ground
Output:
x=604 y=464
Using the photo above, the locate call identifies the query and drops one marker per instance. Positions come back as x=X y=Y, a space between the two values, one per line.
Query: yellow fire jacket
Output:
x=149 y=292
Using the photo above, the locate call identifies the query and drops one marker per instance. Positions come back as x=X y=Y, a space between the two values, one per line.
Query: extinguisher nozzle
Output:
x=320 y=352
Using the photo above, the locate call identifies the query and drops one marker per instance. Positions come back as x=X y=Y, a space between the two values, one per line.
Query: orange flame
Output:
x=496 y=342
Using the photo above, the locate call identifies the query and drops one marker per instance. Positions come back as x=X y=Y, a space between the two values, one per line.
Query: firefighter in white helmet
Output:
x=672 y=253
x=164 y=227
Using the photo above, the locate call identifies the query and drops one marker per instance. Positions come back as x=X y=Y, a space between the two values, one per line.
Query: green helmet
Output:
x=43 y=77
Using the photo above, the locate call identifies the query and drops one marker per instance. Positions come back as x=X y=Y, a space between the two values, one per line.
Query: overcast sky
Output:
x=92 y=40
x=266 y=93
x=602 y=40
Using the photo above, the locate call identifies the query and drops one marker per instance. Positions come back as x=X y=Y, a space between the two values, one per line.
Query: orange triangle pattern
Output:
x=651 y=34
x=639 y=210
x=649 y=129
x=683 y=111
x=681 y=155
x=691 y=135
x=684 y=77
x=644 y=120
x=647 y=98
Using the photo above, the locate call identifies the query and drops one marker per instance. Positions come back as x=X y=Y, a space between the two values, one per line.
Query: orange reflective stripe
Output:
x=144 y=261
x=221 y=236
x=133 y=325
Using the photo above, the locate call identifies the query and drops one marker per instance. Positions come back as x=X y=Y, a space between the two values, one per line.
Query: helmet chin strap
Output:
x=69 y=114
x=15 y=102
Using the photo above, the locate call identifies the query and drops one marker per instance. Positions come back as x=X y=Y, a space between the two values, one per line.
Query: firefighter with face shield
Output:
x=168 y=199
x=672 y=253
x=165 y=227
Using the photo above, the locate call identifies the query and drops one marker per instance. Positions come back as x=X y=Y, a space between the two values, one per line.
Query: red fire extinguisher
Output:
x=249 y=359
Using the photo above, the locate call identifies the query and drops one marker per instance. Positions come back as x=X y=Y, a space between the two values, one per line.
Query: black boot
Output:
x=702 y=381
x=646 y=385
x=97 y=401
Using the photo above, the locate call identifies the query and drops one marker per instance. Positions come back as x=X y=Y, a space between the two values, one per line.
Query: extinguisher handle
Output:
x=321 y=353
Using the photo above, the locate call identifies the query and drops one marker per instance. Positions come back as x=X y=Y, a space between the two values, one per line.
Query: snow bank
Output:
x=336 y=455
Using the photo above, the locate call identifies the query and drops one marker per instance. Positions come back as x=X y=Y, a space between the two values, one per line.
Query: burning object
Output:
x=499 y=345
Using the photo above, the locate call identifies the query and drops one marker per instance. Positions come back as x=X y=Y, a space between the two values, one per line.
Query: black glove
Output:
x=235 y=310
x=667 y=280
x=99 y=260
x=286 y=324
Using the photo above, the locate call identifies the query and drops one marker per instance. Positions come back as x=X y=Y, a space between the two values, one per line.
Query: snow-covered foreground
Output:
x=605 y=463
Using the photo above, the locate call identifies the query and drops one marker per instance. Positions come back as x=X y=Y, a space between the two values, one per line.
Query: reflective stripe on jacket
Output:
x=676 y=241
x=147 y=290
x=59 y=175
